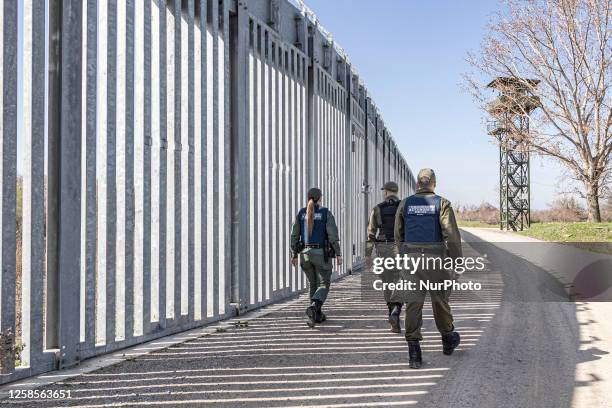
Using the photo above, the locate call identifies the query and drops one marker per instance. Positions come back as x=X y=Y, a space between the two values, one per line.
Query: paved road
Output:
x=513 y=354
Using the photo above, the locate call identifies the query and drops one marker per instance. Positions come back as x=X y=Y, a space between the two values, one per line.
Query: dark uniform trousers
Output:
x=389 y=275
x=441 y=311
x=318 y=273
x=415 y=299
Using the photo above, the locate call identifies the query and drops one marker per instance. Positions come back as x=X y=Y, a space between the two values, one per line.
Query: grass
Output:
x=570 y=231
x=595 y=237
x=476 y=224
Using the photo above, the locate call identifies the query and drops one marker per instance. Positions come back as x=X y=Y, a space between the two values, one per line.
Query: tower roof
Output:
x=503 y=83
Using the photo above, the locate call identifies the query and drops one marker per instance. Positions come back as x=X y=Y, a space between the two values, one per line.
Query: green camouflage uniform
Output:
x=313 y=263
x=383 y=249
x=414 y=306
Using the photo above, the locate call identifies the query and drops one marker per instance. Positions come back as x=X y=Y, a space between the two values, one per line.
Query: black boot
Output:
x=319 y=315
x=450 y=342
x=414 y=352
x=311 y=312
x=394 y=318
x=390 y=306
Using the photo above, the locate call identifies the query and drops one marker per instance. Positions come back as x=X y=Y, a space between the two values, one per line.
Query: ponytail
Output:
x=310 y=209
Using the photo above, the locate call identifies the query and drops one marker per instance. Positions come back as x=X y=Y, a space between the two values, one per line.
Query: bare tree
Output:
x=565 y=45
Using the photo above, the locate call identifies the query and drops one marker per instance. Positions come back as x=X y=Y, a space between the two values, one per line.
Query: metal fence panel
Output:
x=274 y=187
x=189 y=134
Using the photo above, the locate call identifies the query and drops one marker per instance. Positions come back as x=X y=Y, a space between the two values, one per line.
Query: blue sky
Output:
x=411 y=55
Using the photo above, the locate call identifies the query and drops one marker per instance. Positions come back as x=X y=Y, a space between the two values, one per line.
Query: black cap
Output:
x=391 y=186
x=315 y=194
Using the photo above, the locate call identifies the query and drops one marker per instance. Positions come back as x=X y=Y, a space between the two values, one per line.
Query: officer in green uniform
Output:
x=381 y=237
x=425 y=226
x=315 y=236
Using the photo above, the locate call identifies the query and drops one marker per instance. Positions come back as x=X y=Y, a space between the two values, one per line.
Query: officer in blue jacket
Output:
x=315 y=236
x=425 y=226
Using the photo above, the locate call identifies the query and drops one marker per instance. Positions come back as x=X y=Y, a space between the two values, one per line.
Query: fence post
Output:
x=53 y=166
x=8 y=172
x=239 y=44
x=70 y=183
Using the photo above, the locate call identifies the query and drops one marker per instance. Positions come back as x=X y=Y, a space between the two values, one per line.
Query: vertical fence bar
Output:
x=111 y=220
x=253 y=243
x=155 y=123
x=197 y=161
x=215 y=155
x=274 y=179
x=139 y=123
x=186 y=151
x=296 y=167
x=205 y=69
x=89 y=180
x=287 y=163
x=294 y=153
x=53 y=159
x=263 y=110
x=257 y=162
x=130 y=166
x=121 y=138
x=190 y=178
x=225 y=101
x=271 y=149
x=102 y=136
x=156 y=120
x=303 y=151
x=176 y=73
x=70 y=182
x=281 y=185
x=271 y=144
x=8 y=200
x=170 y=115
x=155 y=85
x=241 y=253
x=280 y=159
x=163 y=164
x=33 y=195
x=211 y=248
x=265 y=164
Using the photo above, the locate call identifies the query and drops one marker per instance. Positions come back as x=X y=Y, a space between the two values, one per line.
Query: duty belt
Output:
x=312 y=246
x=424 y=248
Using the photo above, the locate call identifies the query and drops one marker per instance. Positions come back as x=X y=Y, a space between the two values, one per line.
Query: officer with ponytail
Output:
x=314 y=236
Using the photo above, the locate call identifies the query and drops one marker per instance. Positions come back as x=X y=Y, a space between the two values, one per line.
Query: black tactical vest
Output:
x=388 y=209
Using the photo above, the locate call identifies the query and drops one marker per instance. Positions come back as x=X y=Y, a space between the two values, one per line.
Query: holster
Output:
x=298 y=248
x=328 y=251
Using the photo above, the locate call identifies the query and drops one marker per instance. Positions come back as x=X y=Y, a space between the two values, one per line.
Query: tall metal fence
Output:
x=154 y=155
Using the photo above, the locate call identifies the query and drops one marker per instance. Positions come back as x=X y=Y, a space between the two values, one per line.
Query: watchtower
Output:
x=510 y=125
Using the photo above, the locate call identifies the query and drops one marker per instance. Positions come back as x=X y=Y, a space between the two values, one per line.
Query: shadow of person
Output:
x=527 y=355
